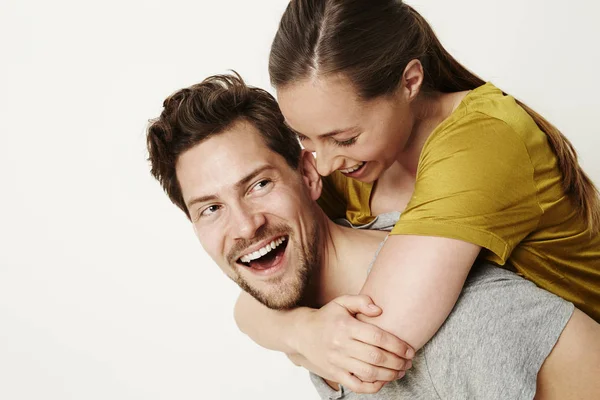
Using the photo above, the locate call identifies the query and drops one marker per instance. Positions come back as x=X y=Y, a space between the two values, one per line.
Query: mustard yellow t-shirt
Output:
x=488 y=176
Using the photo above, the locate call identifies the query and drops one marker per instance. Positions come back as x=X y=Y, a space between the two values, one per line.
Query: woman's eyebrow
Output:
x=324 y=135
x=337 y=132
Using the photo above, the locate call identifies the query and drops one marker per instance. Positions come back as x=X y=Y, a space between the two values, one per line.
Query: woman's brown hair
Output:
x=371 y=42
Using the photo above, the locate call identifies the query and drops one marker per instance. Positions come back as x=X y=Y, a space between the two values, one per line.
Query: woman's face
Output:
x=359 y=138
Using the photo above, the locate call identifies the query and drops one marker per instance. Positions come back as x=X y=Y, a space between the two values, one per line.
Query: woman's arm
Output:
x=475 y=188
x=416 y=280
x=329 y=341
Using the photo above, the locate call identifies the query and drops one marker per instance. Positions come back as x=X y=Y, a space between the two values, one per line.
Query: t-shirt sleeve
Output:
x=332 y=200
x=475 y=182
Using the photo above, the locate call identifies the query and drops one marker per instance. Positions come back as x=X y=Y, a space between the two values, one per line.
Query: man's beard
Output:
x=289 y=294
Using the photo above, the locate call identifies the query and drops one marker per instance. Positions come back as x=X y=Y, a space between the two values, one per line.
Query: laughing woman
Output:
x=398 y=124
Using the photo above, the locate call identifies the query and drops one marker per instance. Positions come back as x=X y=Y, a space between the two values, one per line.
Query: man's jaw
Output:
x=287 y=284
x=271 y=279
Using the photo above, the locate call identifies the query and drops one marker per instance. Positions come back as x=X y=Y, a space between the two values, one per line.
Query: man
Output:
x=223 y=154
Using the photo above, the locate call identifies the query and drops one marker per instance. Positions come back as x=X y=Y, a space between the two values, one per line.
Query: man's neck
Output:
x=345 y=259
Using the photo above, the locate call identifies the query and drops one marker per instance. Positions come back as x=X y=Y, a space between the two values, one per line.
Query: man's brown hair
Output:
x=194 y=114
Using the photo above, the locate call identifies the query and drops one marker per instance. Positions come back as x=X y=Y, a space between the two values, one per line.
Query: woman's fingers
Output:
x=378 y=357
x=337 y=346
x=357 y=386
x=367 y=372
x=375 y=336
x=359 y=303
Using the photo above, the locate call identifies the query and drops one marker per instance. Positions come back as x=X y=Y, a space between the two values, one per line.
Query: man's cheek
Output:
x=285 y=204
x=211 y=245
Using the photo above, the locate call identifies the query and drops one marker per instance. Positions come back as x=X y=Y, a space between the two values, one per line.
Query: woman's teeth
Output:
x=262 y=251
x=352 y=169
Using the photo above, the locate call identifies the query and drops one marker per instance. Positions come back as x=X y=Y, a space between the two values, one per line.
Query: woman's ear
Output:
x=412 y=79
x=310 y=176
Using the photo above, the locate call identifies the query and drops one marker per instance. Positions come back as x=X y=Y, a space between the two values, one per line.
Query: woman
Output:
x=397 y=124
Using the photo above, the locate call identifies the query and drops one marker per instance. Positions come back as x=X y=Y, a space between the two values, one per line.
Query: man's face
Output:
x=252 y=213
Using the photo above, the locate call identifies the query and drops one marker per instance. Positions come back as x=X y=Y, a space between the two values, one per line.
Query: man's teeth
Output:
x=352 y=169
x=262 y=251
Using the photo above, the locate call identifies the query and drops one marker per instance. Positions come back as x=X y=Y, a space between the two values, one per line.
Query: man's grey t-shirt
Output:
x=492 y=345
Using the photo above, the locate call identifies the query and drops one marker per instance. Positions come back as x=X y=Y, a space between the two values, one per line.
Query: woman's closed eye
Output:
x=345 y=143
x=301 y=138
x=305 y=142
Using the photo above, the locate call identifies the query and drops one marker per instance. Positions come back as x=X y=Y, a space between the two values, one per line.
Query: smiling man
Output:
x=223 y=154
x=256 y=242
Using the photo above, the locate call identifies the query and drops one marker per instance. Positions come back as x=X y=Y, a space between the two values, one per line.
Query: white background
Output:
x=104 y=291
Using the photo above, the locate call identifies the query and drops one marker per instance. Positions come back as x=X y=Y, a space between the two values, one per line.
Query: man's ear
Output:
x=310 y=176
x=412 y=79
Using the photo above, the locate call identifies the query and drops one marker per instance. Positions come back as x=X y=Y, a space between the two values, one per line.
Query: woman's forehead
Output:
x=314 y=108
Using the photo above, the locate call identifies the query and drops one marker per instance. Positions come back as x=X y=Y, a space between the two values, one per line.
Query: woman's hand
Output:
x=332 y=343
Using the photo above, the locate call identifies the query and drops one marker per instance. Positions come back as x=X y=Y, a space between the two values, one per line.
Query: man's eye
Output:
x=261 y=184
x=207 y=211
x=301 y=138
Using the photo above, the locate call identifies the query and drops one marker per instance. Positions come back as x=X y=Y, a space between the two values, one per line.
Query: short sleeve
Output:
x=475 y=182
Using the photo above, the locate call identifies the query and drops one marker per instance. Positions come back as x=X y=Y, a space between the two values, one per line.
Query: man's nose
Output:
x=246 y=222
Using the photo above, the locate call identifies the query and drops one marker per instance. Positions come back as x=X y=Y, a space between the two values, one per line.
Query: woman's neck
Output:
x=430 y=111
